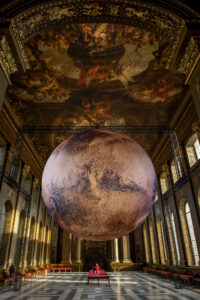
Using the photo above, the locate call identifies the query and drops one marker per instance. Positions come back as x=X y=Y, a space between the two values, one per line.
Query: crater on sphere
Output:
x=99 y=184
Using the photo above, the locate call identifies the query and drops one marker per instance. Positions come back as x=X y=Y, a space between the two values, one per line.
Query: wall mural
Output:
x=105 y=74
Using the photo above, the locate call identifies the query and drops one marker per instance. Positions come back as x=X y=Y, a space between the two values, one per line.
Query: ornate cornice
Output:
x=137 y=13
x=189 y=59
x=7 y=61
x=13 y=7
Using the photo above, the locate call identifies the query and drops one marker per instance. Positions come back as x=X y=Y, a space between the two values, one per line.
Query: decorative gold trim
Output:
x=7 y=61
x=190 y=59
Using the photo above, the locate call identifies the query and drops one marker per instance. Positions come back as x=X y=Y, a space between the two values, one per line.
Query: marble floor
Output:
x=124 y=286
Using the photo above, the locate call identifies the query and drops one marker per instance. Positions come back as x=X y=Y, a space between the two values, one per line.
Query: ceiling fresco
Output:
x=97 y=74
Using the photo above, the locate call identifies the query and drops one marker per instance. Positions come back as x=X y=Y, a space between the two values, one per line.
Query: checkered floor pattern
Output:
x=123 y=286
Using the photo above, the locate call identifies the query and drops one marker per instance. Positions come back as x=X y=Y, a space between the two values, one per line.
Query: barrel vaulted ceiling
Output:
x=91 y=63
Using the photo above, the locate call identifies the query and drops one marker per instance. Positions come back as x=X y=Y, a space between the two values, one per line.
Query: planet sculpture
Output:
x=99 y=184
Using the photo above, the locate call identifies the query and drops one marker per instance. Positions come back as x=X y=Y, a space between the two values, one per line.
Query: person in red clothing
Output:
x=96 y=269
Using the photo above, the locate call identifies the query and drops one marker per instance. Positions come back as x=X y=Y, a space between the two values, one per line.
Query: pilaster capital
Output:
x=10 y=152
x=26 y=170
x=35 y=182
x=196 y=127
x=165 y=169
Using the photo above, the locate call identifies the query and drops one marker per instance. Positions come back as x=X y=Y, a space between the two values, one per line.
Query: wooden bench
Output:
x=99 y=275
x=60 y=269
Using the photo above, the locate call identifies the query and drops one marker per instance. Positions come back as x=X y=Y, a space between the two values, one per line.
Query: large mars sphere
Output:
x=99 y=184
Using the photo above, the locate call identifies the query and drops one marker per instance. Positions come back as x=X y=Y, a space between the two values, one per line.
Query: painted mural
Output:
x=87 y=56
x=96 y=74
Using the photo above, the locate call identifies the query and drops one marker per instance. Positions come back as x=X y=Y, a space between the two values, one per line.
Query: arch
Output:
x=20 y=236
x=161 y=240
x=175 y=238
x=192 y=234
x=193 y=149
x=188 y=247
x=46 y=245
x=40 y=243
x=31 y=242
x=152 y=241
x=173 y=252
x=146 y=248
x=6 y=232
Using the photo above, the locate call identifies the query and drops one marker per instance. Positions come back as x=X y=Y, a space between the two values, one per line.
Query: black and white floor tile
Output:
x=124 y=286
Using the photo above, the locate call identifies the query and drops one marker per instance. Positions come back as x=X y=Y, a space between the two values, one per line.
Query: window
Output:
x=197 y=148
x=163 y=239
x=163 y=183
x=191 y=234
x=146 y=243
x=193 y=149
x=175 y=238
x=175 y=174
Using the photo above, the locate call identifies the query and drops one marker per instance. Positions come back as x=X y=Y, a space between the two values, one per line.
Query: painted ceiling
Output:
x=96 y=74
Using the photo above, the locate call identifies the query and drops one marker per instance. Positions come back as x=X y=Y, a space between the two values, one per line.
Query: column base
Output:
x=66 y=261
x=34 y=263
x=127 y=261
x=78 y=261
x=115 y=262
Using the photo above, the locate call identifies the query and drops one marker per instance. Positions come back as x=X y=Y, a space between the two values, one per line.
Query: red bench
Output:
x=60 y=269
x=5 y=281
x=100 y=275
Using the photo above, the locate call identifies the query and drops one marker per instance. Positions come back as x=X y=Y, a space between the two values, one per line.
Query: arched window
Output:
x=31 y=242
x=165 y=252
x=164 y=183
x=175 y=238
x=146 y=243
x=193 y=149
x=20 y=238
x=175 y=175
x=170 y=234
x=191 y=234
x=152 y=241
x=161 y=240
x=40 y=244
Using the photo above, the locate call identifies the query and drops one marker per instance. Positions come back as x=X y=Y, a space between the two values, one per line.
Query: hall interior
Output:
x=130 y=67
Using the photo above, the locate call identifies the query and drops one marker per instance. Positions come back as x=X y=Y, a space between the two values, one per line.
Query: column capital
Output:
x=35 y=182
x=196 y=128
x=26 y=170
x=165 y=169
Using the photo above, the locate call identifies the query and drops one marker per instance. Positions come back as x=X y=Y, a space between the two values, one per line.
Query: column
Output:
x=66 y=248
x=126 y=249
x=115 y=251
x=77 y=250
x=174 y=207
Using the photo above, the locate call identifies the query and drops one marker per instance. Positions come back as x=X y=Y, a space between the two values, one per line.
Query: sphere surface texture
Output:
x=99 y=184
